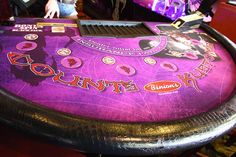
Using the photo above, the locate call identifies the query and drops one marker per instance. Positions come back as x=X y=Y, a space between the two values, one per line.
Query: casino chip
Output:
x=168 y=66
x=108 y=60
x=31 y=36
x=64 y=52
x=26 y=46
x=71 y=62
x=150 y=60
x=125 y=69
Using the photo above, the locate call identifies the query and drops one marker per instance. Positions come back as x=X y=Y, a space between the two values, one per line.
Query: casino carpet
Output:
x=15 y=143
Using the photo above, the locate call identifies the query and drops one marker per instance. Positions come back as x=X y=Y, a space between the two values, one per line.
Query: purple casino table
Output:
x=117 y=87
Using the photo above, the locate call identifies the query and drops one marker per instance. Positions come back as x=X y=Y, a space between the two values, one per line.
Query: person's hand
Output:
x=51 y=8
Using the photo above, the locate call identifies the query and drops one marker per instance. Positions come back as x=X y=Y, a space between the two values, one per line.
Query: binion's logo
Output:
x=162 y=86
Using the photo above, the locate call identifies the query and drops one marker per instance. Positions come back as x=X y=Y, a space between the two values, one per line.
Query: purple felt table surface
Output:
x=173 y=88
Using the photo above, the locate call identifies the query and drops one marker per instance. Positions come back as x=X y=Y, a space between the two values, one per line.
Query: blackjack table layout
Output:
x=117 y=87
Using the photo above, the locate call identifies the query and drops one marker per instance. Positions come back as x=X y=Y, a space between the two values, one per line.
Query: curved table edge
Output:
x=106 y=137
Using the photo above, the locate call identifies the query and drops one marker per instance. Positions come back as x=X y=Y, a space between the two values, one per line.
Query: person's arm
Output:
x=205 y=6
x=51 y=8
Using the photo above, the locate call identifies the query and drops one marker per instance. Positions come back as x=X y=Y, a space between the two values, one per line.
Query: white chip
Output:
x=31 y=36
x=108 y=60
x=64 y=52
x=150 y=61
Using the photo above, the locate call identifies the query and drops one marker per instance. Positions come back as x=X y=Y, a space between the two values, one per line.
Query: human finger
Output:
x=47 y=14
x=52 y=14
